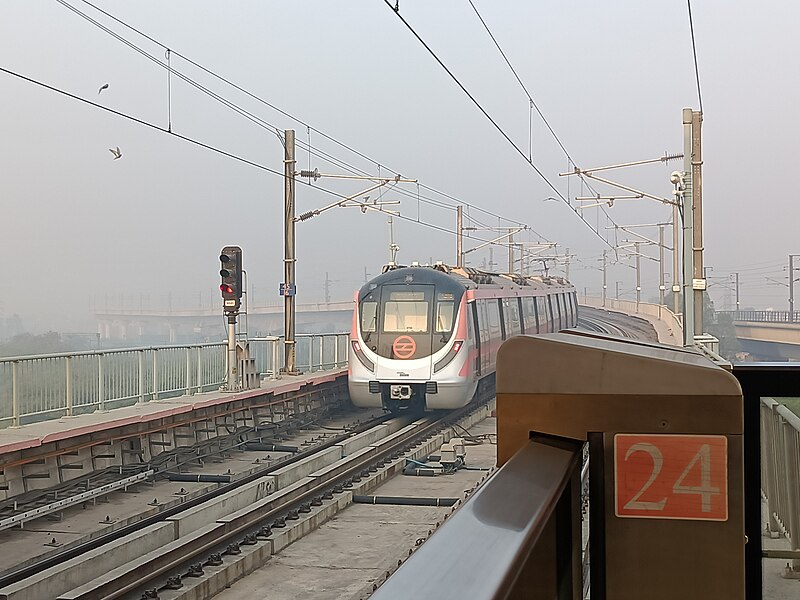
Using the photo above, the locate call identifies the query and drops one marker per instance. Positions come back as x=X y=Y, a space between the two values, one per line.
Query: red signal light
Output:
x=226 y=289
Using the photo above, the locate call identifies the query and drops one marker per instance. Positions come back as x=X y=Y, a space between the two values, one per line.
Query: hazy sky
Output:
x=85 y=230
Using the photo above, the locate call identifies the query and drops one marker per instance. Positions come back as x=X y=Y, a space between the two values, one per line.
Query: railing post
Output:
x=199 y=379
x=276 y=367
x=155 y=374
x=791 y=437
x=141 y=376
x=68 y=386
x=188 y=370
x=14 y=395
x=101 y=401
x=336 y=351
x=321 y=353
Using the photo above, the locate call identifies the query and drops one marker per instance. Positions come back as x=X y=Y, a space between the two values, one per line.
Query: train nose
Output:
x=400 y=392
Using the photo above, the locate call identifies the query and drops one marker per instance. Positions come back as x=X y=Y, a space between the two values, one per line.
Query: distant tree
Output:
x=26 y=343
x=721 y=327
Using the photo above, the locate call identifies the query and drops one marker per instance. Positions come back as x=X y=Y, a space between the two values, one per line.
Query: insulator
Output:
x=310 y=174
x=307 y=215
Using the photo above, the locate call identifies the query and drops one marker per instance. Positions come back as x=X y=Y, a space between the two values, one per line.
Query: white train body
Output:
x=428 y=335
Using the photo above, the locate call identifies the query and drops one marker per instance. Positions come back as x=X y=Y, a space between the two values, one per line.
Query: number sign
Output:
x=671 y=476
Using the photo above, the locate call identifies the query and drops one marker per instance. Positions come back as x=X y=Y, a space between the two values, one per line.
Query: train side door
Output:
x=483 y=322
x=474 y=335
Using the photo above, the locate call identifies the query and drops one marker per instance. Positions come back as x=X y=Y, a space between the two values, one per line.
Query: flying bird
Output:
x=116 y=152
x=102 y=87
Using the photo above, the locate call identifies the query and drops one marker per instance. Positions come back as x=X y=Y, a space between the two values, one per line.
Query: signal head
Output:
x=231 y=273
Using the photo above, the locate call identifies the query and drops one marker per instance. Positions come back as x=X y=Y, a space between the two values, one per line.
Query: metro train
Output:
x=426 y=336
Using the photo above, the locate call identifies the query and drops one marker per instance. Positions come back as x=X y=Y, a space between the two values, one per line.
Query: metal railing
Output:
x=762 y=316
x=780 y=470
x=496 y=545
x=47 y=386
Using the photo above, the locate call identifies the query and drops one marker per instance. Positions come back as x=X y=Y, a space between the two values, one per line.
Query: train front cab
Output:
x=412 y=343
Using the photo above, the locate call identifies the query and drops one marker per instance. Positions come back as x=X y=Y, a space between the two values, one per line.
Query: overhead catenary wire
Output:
x=205 y=145
x=315 y=151
x=492 y=120
x=570 y=162
x=694 y=54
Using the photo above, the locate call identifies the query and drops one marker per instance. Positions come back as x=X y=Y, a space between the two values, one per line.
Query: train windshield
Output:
x=408 y=320
x=406 y=311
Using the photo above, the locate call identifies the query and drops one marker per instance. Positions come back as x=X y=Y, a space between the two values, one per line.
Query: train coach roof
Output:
x=462 y=278
x=424 y=275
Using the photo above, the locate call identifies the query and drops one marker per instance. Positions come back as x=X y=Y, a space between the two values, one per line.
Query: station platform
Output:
x=38 y=455
x=37 y=434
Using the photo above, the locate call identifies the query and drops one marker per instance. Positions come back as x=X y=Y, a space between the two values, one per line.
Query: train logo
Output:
x=404 y=347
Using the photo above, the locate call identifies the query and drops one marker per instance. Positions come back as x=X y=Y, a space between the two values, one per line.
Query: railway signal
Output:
x=231 y=272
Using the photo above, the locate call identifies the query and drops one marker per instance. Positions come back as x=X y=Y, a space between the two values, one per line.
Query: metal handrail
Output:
x=780 y=470
x=481 y=551
x=762 y=316
x=46 y=386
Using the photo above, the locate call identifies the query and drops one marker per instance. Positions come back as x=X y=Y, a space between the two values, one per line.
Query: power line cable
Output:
x=319 y=153
x=212 y=148
x=491 y=119
x=570 y=161
x=694 y=53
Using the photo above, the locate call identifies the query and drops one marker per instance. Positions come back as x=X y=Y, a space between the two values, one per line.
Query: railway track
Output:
x=163 y=468
x=616 y=324
x=200 y=538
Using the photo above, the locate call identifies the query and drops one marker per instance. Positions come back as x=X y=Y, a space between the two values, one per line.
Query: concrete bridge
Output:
x=206 y=324
x=767 y=334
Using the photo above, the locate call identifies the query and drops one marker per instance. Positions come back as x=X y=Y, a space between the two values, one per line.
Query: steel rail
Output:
x=250 y=522
x=16 y=575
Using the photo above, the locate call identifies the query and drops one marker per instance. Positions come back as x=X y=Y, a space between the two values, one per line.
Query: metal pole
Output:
x=697 y=220
x=661 y=287
x=791 y=286
x=289 y=256
x=393 y=248
x=604 y=278
x=510 y=252
x=638 y=276
x=688 y=236
x=232 y=370
x=566 y=268
x=676 y=288
x=460 y=236
x=617 y=287
x=737 y=291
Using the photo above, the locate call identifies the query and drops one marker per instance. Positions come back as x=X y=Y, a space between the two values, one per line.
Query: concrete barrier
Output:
x=75 y=572
x=194 y=518
x=287 y=475
x=362 y=440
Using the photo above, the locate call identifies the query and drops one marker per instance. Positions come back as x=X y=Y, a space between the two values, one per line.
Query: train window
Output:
x=494 y=318
x=511 y=314
x=444 y=317
x=560 y=312
x=529 y=314
x=405 y=316
x=369 y=316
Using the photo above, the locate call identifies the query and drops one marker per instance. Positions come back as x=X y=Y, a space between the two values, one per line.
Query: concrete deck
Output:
x=14 y=439
x=352 y=551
